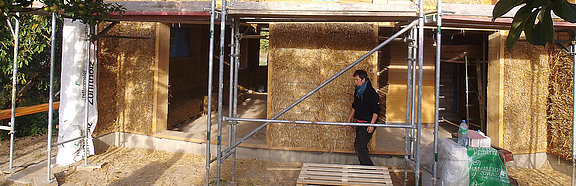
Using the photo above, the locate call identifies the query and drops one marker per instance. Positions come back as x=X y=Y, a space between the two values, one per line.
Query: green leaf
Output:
x=503 y=6
x=529 y=25
x=565 y=10
x=517 y=26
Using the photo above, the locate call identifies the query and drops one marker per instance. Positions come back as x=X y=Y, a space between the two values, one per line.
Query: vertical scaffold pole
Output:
x=230 y=89
x=420 y=71
x=210 y=71
x=51 y=96
x=410 y=60
x=220 y=89
x=16 y=36
x=86 y=90
x=437 y=88
x=236 y=34
x=413 y=96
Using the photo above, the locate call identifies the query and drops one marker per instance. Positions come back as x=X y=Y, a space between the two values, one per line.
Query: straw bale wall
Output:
x=126 y=80
x=560 y=102
x=526 y=77
x=302 y=56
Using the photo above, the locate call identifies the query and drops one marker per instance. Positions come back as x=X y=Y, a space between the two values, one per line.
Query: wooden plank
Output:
x=339 y=11
x=335 y=174
x=347 y=180
x=353 y=175
x=164 y=7
x=342 y=166
x=22 y=111
x=160 y=109
x=495 y=89
x=325 y=169
x=328 y=182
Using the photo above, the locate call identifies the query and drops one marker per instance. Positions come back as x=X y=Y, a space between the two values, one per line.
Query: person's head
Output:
x=360 y=77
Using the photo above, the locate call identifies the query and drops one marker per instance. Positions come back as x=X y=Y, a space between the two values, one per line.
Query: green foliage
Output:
x=534 y=18
x=88 y=11
x=33 y=69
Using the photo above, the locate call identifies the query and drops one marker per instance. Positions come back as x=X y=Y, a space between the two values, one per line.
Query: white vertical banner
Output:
x=73 y=93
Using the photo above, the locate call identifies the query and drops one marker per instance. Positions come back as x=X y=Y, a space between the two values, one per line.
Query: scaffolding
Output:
x=412 y=124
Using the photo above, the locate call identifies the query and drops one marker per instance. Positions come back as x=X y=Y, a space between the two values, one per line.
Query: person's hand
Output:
x=370 y=130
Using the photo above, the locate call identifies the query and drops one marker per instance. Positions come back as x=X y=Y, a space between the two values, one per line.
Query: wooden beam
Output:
x=495 y=90
x=324 y=11
x=22 y=111
x=165 y=7
x=160 y=108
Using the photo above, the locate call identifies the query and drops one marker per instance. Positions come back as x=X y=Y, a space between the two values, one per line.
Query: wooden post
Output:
x=495 y=89
x=160 y=110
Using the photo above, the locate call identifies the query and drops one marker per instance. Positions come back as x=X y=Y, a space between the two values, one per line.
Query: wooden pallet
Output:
x=334 y=174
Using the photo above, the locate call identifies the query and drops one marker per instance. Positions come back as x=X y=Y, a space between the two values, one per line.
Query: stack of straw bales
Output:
x=526 y=73
x=560 y=102
x=126 y=80
x=302 y=56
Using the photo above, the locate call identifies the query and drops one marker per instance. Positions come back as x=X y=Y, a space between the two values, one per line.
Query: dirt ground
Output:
x=131 y=166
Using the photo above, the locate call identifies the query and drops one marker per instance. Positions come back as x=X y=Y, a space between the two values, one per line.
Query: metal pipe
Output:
x=86 y=90
x=467 y=89
x=395 y=125
x=220 y=89
x=235 y=110
x=327 y=82
x=51 y=96
x=210 y=70
x=413 y=98
x=16 y=36
x=413 y=92
x=68 y=141
x=437 y=89
x=231 y=82
x=408 y=103
x=420 y=71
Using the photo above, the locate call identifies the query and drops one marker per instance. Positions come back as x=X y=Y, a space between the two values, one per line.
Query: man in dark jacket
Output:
x=365 y=108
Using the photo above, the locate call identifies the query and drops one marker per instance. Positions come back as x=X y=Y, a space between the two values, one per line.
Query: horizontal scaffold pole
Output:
x=387 y=124
x=408 y=27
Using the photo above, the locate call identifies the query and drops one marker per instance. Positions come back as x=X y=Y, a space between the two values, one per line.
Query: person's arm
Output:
x=374 y=118
x=375 y=107
x=350 y=118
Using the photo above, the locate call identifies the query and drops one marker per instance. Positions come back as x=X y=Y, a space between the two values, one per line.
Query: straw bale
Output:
x=126 y=76
x=526 y=73
x=560 y=103
x=302 y=56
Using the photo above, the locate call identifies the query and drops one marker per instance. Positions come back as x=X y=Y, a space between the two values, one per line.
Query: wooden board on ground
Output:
x=335 y=174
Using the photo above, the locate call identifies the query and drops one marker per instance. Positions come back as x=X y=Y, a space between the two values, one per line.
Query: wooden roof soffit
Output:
x=267 y=11
x=480 y=17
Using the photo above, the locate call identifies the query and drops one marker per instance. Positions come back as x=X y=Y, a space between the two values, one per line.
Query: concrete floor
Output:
x=389 y=141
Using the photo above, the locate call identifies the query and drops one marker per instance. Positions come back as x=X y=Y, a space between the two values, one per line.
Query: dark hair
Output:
x=361 y=74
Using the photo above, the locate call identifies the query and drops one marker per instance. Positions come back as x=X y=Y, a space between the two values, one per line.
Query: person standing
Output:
x=365 y=109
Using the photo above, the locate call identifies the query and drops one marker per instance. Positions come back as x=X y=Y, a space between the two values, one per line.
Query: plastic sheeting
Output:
x=72 y=94
x=459 y=165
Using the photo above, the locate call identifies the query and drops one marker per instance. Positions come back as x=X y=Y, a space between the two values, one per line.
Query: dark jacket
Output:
x=363 y=108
